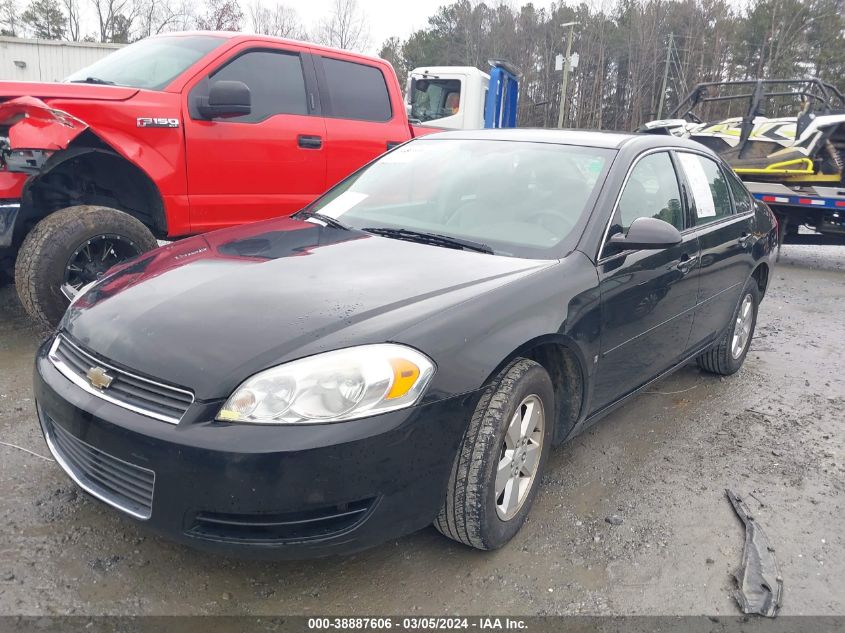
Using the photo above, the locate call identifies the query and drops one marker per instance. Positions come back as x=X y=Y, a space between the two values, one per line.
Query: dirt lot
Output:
x=775 y=430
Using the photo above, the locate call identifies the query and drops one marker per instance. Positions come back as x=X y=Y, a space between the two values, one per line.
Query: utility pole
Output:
x=665 y=74
x=566 y=63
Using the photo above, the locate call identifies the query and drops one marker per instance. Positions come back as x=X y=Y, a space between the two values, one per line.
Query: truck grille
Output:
x=142 y=395
x=120 y=484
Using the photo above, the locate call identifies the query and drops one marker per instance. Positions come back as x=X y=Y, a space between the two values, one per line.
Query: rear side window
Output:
x=356 y=91
x=275 y=80
x=708 y=186
x=742 y=199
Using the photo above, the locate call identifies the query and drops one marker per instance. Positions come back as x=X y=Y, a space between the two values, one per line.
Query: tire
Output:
x=46 y=251
x=721 y=358
x=470 y=513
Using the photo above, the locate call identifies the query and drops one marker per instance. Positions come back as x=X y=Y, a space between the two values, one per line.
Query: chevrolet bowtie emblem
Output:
x=98 y=377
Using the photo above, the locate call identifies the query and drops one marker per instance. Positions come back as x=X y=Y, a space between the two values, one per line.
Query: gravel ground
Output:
x=661 y=464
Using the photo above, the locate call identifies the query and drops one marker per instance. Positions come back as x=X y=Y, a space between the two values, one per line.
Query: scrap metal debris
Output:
x=760 y=584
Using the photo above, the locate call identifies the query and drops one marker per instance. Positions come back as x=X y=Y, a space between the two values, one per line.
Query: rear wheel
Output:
x=495 y=475
x=728 y=354
x=71 y=248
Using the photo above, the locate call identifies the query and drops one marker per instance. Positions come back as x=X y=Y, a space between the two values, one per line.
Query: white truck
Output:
x=463 y=97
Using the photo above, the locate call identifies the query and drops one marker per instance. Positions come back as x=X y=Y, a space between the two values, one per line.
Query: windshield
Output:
x=151 y=63
x=434 y=98
x=520 y=199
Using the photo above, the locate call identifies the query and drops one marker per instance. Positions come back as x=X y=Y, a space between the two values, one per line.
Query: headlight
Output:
x=340 y=385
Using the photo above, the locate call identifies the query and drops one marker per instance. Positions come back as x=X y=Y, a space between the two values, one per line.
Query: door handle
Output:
x=306 y=141
x=392 y=144
x=745 y=239
x=686 y=263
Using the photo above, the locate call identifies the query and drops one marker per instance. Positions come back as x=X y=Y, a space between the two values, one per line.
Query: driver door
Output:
x=647 y=296
x=268 y=163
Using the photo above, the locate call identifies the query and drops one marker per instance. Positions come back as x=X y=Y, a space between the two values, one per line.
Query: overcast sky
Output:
x=386 y=17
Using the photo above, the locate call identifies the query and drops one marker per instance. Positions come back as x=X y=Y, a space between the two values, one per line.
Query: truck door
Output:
x=363 y=117
x=267 y=163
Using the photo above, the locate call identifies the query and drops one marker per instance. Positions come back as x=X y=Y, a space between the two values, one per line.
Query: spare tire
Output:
x=74 y=246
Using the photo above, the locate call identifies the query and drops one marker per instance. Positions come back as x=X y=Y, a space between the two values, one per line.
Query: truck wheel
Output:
x=497 y=471
x=728 y=354
x=74 y=246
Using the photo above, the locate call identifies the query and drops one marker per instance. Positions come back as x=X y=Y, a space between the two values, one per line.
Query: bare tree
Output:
x=345 y=27
x=114 y=18
x=221 y=15
x=278 y=20
x=72 y=9
x=160 y=16
x=9 y=20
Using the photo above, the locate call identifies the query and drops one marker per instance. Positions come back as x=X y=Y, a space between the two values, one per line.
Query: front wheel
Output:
x=496 y=473
x=728 y=354
x=71 y=248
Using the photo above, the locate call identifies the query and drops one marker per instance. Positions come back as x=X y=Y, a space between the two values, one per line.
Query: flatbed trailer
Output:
x=819 y=208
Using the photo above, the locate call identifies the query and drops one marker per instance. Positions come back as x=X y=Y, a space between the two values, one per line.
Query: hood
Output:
x=208 y=312
x=32 y=123
x=54 y=90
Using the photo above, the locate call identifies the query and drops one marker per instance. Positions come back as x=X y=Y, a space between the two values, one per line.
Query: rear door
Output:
x=648 y=297
x=362 y=118
x=723 y=214
x=268 y=163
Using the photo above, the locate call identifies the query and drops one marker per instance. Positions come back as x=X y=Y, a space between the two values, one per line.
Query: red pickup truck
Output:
x=176 y=135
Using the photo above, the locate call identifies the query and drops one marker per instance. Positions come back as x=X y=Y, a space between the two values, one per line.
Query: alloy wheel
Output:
x=742 y=327
x=519 y=457
x=94 y=257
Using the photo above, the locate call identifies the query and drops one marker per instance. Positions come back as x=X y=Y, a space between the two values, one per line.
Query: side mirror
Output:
x=226 y=99
x=647 y=233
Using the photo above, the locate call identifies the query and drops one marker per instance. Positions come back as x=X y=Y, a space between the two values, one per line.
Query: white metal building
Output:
x=47 y=60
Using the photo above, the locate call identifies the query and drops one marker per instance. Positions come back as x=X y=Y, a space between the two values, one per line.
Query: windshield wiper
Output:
x=435 y=239
x=325 y=219
x=93 y=80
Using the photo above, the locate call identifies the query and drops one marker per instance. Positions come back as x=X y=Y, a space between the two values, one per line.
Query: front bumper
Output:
x=267 y=491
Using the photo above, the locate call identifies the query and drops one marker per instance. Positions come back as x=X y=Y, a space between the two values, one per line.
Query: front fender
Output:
x=471 y=341
x=33 y=125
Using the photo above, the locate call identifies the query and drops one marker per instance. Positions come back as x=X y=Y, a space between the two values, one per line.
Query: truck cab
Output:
x=448 y=97
x=463 y=97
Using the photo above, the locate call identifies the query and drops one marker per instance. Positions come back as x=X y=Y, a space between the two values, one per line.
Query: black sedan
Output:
x=407 y=349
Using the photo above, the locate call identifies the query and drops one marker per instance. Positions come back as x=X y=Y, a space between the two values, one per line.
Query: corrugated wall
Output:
x=42 y=60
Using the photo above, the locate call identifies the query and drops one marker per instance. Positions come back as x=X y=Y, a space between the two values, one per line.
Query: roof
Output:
x=586 y=138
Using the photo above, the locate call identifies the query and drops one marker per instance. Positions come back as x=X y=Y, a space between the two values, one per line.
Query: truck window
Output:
x=151 y=63
x=356 y=91
x=276 y=83
x=435 y=98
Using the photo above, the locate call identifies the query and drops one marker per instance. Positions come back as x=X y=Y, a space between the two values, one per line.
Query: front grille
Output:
x=142 y=395
x=280 y=528
x=123 y=485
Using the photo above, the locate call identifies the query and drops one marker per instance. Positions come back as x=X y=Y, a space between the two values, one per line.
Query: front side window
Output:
x=151 y=63
x=521 y=199
x=651 y=192
x=356 y=91
x=435 y=98
x=275 y=80
x=708 y=187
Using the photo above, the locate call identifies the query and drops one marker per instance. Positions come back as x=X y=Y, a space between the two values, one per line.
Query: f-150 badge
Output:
x=146 y=121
